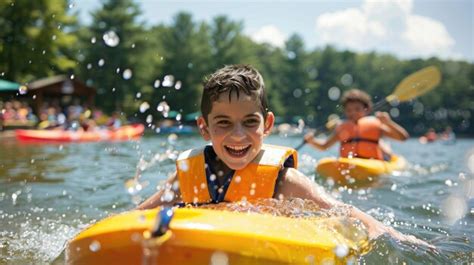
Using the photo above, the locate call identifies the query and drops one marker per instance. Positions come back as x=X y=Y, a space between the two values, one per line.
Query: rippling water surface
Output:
x=49 y=192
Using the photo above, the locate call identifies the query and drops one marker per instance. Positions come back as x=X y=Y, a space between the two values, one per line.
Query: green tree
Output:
x=35 y=39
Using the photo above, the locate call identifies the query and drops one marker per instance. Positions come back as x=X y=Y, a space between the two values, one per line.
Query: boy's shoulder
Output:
x=191 y=153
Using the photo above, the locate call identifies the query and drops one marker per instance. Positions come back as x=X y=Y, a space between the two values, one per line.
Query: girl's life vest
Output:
x=199 y=184
x=360 y=139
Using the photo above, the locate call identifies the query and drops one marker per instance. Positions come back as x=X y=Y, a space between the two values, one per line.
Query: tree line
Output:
x=136 y=66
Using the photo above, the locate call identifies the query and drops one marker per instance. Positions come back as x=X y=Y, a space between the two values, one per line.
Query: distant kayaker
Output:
x=360 y=134
x=238 y=166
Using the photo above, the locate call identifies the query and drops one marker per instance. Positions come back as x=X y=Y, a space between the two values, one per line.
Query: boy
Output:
x=237 y=166
x=360 y=134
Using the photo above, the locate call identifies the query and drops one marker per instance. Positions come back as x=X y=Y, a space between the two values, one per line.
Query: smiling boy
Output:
x=238 y=166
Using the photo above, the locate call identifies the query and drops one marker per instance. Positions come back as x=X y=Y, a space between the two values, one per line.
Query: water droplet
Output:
x=101 y=62
x=178 y=117
x=454 y=208
x=54 y=37
x=168 y=196
x=138 y=95
x=94 y=246
x=470 y=160
x=164 y=108
x=346 y=79
x=341 y=251
x=394 y=187
x=291 y=55
x=149 y=119
x=89 y=66
x=111 y=38
x=14 y=197
x=334 y=93
x=183 y=165
x=237 y=179
x=177 y=86
x=168 y=81
x=156 y=84
x=297 y=93
x=22 y=90
x=172 y=138
x=212 y=177
x=72 y=5
x=93 y=40
x=448 y=183
x=219 y=258
x=394 y=112
x=144 y=107
x=127 y=74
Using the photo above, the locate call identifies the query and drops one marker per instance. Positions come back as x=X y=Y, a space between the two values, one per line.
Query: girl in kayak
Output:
x=360 y=134
x=238 y=166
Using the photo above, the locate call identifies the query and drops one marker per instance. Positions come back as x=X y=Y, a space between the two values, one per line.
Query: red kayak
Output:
x=126 y=132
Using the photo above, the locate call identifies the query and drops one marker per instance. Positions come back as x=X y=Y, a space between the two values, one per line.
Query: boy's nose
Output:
x=238 y=132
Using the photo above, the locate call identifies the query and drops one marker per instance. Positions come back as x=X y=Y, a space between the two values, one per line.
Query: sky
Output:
x=405 y=28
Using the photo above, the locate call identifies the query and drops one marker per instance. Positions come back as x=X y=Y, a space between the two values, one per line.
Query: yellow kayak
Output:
x=204 y=236
x=344 y=170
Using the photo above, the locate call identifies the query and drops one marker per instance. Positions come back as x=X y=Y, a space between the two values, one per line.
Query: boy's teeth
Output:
x=237 y=148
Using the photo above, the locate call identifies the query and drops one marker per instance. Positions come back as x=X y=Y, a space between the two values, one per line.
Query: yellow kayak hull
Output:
x=346 y=170
x=198 y=236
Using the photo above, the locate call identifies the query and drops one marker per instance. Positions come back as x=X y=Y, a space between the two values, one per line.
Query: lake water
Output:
x=49 y=192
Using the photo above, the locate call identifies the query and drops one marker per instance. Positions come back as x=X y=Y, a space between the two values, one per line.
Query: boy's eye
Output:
x=223 y=123
x=252 y=122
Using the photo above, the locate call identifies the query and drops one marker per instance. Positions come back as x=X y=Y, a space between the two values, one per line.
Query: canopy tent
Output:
x=8 y=86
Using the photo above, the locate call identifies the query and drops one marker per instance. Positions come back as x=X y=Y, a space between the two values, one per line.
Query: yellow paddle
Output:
x=412 y=86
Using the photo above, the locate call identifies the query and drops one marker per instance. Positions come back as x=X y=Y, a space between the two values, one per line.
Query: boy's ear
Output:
x=203 y=129
x=269 y=121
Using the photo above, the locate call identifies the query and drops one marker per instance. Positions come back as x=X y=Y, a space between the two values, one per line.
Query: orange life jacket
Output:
x=360 y=139
x=257 y=180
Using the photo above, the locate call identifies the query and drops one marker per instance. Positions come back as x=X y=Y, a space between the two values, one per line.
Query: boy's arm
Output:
x=320 y=144
x=391 y=128
x=295 y=184
x=157 y=199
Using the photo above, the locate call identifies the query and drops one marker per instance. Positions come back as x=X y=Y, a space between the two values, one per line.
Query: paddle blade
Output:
x=416 y=84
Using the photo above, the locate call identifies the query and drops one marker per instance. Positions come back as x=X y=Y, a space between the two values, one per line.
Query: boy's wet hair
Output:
x=233 y=79
x=357 y=95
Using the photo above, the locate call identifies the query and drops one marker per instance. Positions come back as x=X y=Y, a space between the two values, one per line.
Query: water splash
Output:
x=127 y=74
x=111 y=38
x=334 y=93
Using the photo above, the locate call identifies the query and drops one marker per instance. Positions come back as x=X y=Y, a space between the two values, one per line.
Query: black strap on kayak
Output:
x=162 y=224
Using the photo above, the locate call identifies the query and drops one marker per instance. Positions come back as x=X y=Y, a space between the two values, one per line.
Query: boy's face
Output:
x=355 y=110
x=236 y=129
